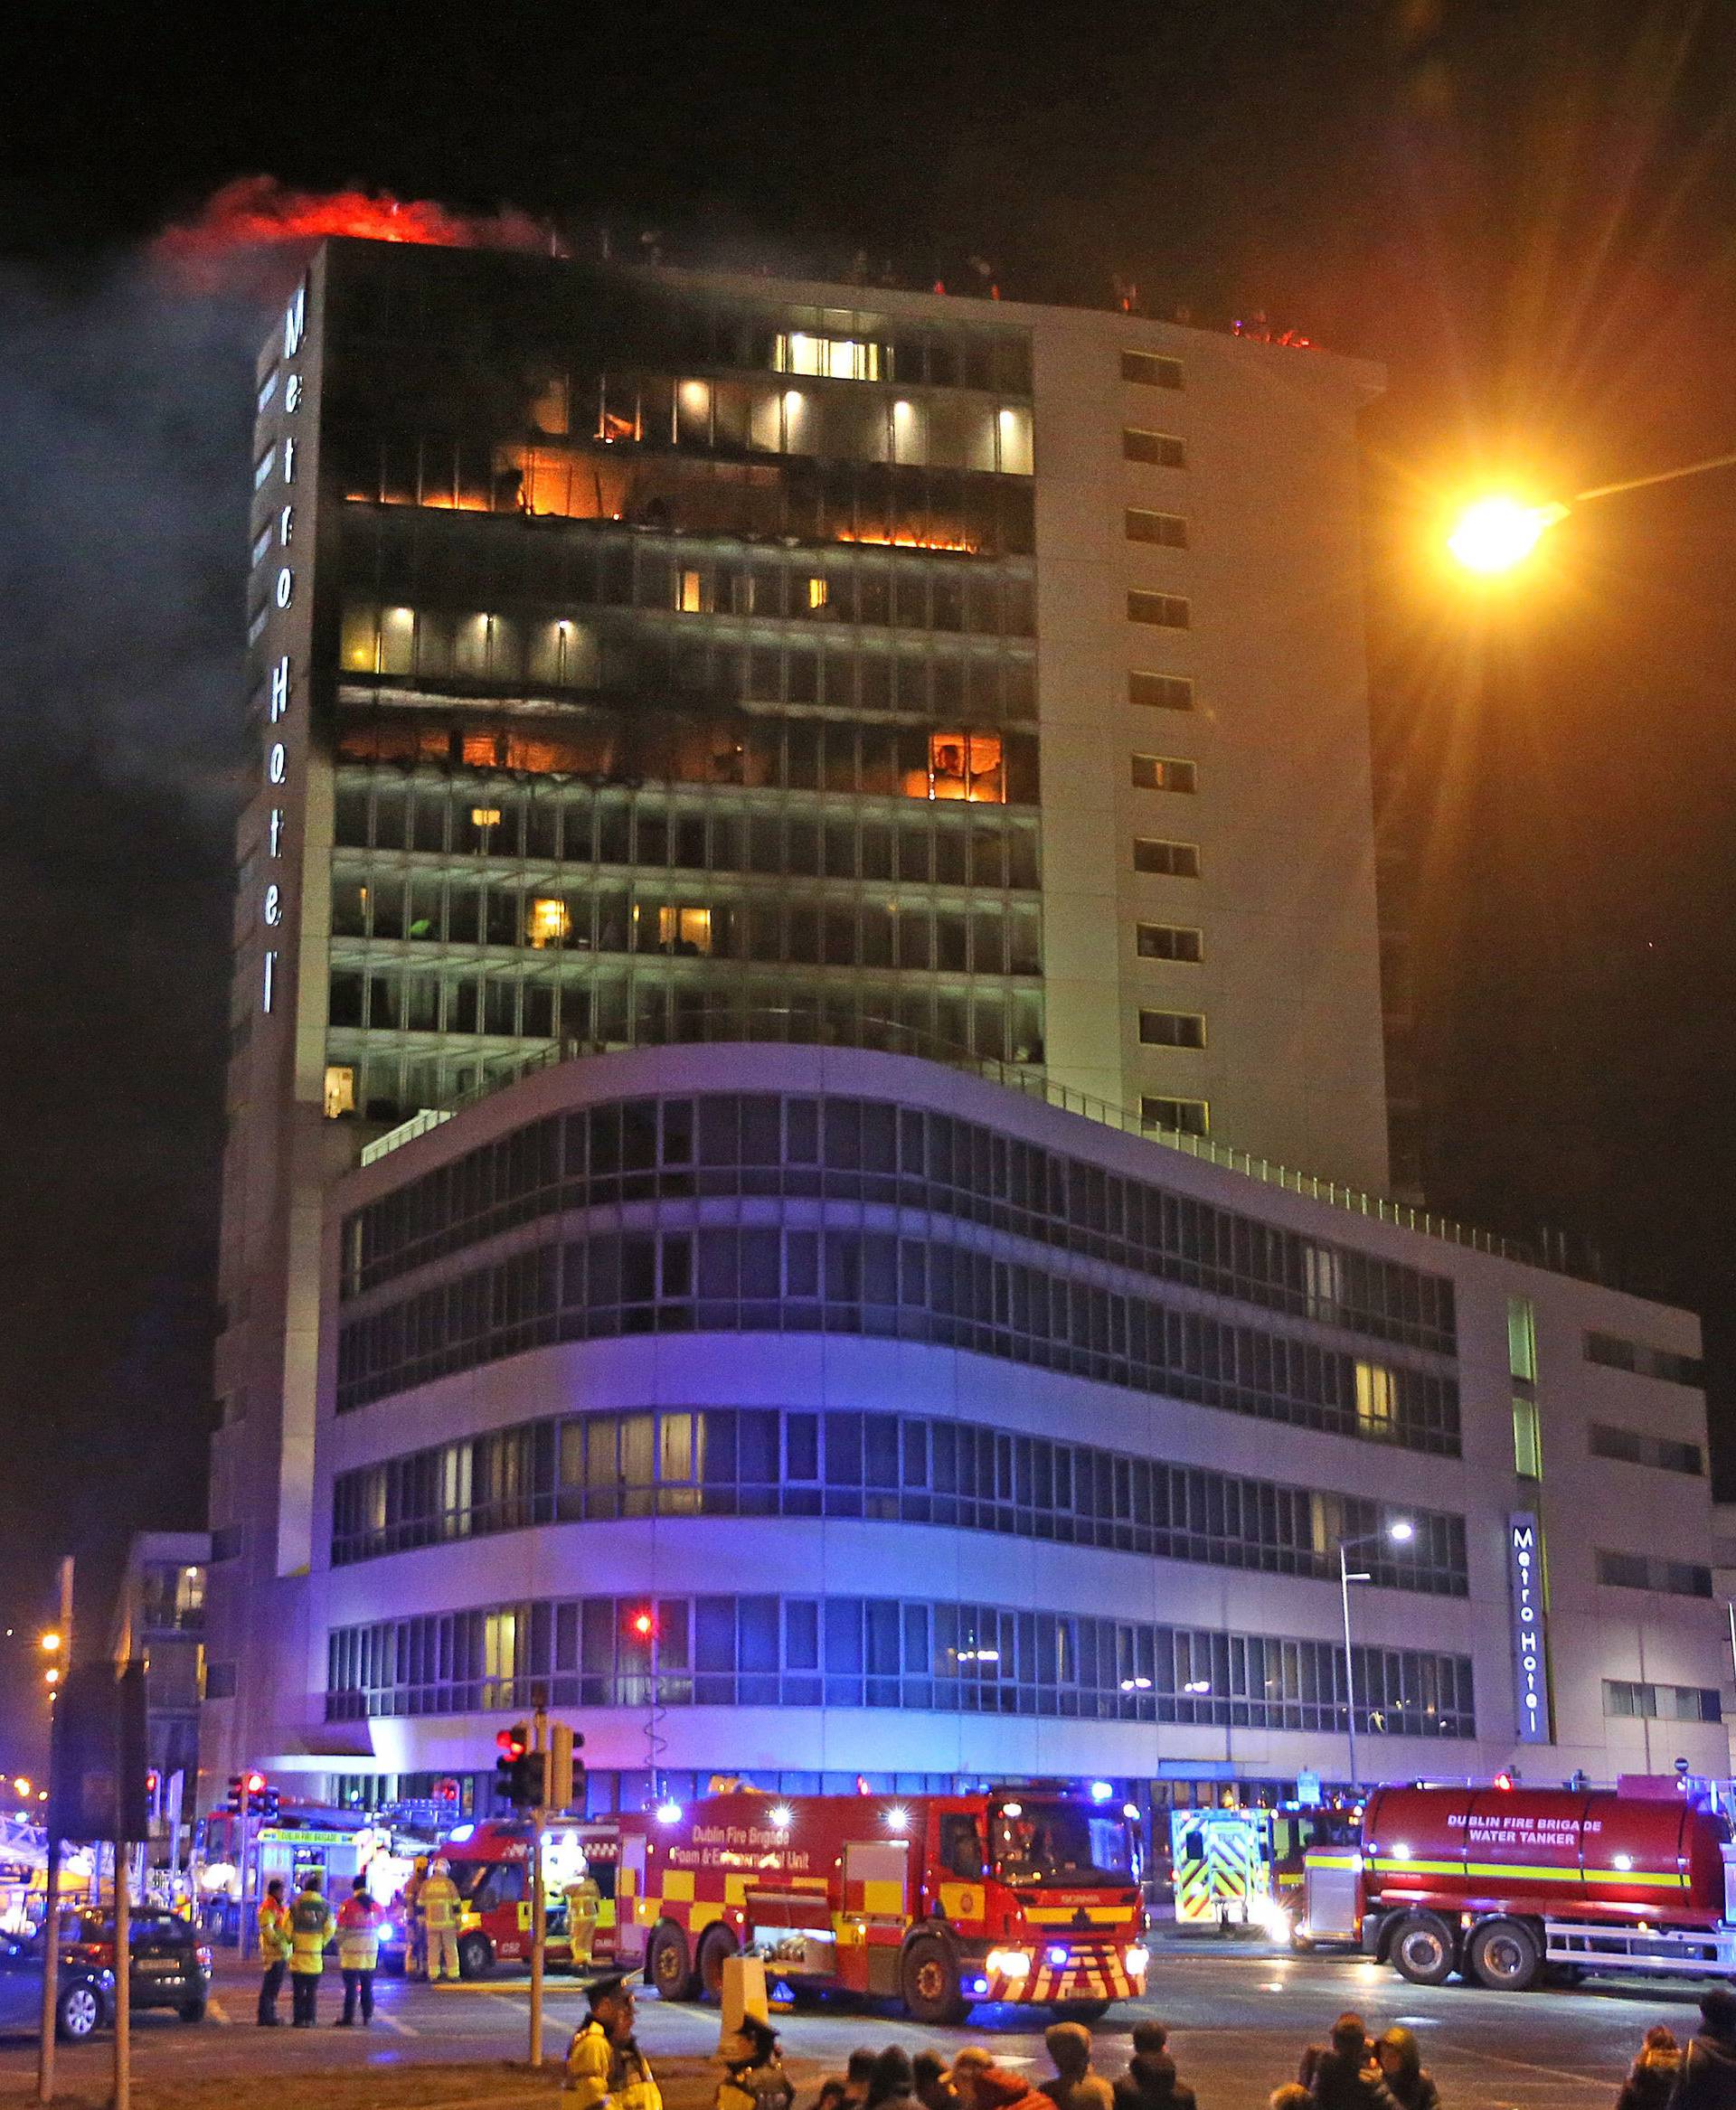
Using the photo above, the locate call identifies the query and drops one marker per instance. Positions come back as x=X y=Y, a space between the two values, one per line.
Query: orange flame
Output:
x=256 y=213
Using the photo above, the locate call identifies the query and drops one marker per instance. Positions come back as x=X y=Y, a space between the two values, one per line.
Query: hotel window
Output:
x=834 y=358
x=1521 y=1340
x=340 y=1090
x=1640 y=1571
x=1616 y=1353
x=262 y=468
x=1622 y=1697
x=961 y=765
x=1161 y=691
x=692 y=593
x=817 y=593
x=1185 y=1116
x=1167 y=860
x=1172 y=1029
x=1375 y=1396
x=1151 y=370
x=261 y=544
x=1169 y=611
x=1163 y=449
x=1163 y=773
x=1632 y=1448
x=549 y=922
x=1168 y=941
x=1145 y=526
x=1527 y=1440
x=684 y=930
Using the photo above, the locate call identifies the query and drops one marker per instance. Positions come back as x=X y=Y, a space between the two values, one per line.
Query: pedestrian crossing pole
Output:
x=539 y=1916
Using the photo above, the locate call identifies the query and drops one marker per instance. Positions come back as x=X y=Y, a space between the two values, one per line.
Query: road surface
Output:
x=1239 y=2019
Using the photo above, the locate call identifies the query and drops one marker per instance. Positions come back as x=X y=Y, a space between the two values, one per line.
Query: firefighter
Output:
x=358 y=1952
x=606 y=2070
x=584 y=1907
x=439 y=1905
x=415 y=1944
x=310 y=1928
x=273 y=1921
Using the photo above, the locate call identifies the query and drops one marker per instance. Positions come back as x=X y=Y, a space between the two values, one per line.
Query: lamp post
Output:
x=1400 y=1532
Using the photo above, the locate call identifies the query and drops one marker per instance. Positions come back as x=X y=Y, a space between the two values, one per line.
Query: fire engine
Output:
x=1508 y=1884
x=490 y=1863
x=1244 y=1867
x=1026 y=1894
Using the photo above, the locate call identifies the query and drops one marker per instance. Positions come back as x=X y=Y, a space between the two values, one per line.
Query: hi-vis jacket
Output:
x=603 y=2076
x=358 y=1932
x=273 y=1921
x=310 y=1927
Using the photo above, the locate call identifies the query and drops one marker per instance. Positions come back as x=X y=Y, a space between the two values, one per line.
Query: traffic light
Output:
x=563 y=1765
x=518 y=1771
x=257 y=1789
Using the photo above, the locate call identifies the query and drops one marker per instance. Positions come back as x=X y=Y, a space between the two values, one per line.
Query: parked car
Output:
x=83 y=2002
x=171 y=1961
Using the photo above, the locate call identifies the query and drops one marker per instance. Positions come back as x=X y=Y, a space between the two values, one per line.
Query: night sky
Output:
x=1528 y=211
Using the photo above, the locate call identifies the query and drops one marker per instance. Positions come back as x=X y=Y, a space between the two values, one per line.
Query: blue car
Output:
x=84 y=2001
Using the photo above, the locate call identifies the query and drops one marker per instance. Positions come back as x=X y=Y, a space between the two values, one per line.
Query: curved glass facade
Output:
x=854 y=1651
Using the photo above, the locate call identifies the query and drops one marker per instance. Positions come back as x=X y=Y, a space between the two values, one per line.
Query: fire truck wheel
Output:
x=929 y=1980
x=1422 y=1950
x=1505 y=1956
x=670 y=1968
x=714 y=1944
x=475 y=1956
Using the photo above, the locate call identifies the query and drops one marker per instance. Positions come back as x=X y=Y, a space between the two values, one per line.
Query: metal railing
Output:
x=807 y=1025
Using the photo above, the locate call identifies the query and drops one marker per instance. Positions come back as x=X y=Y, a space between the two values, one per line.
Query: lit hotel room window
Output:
x=961 y=765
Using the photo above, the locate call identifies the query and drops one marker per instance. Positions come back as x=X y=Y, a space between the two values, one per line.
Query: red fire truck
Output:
x=1028 y=1894
x=490 y=1863
x=1508 y=1884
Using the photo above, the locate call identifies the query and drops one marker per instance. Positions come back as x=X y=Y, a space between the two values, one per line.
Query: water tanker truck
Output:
x=1510 y=1885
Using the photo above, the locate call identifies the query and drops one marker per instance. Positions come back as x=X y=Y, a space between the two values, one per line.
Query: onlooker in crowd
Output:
x=981 y=2085
x=604 y=2064
x=934 y=2091
x=1073 y=2086
x=892 y=2084
x=275 y=1945
x=1344 y=2073
x=1412 y=2085
x=754 y=2076
x=1149 y=2083
x=847 y=2090
x=1707 y=2080
x=1292 y=2095
x=358 y=1951
x=1651 y=2079
x=310 y=1928
x=437 y=1905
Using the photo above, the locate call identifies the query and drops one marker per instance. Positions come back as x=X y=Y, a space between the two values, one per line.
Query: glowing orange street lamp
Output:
x=1495 y=533
x=1498 y=531
x=49 y=1642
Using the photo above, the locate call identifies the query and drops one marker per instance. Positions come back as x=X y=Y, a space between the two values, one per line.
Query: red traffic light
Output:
x=255 y=1784
x=514 y=1742
x=644 y=1624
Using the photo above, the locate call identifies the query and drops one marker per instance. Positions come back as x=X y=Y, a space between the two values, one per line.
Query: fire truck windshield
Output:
x=1060 y=1842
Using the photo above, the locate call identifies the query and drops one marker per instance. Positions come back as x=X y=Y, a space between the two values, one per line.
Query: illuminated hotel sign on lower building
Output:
x=277 y=753
x=1529 y=1636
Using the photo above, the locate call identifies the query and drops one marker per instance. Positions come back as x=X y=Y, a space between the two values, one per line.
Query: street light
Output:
x=1401 y=1531
x=1495 y=533
x=49 y=1642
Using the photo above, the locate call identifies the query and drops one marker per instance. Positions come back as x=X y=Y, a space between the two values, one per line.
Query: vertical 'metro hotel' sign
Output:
x=283 y=592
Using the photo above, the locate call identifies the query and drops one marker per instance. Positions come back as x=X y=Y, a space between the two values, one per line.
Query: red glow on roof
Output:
x=258 y=212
